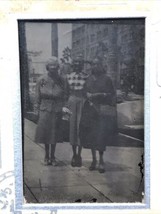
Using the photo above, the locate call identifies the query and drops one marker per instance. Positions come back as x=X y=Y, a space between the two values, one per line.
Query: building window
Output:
x=74 y=33
x=77 y=43
x=34 y=79
x=98 y=35
x=92 y=51
x=87 y=39
x=105 y=32
x=82 y=29
x=92 y=37
x=82 y=41
x=87 y=51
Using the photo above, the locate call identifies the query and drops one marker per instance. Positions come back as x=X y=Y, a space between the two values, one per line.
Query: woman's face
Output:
x=78 y=65
x=96 y=67
x=53 y=68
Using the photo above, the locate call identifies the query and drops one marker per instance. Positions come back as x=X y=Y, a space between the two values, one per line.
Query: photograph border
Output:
x=17 y=199
x=18 y=144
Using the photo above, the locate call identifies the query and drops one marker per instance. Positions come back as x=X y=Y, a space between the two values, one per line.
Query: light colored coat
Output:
x=49 y=103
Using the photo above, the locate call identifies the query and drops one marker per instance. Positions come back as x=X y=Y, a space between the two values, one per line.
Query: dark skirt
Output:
x=96 y=129
x=49 y=128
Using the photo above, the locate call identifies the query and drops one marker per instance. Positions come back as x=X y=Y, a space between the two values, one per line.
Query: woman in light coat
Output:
x=50 y=93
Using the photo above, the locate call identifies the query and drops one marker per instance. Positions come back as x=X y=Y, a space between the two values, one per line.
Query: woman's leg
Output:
x=72 y=128
x=79 y=158
x=74 y=148
x=101 y=158
x=93 y=155
x=53 y=147
x=52 y=156
x=46 y=151
x=101 y=168
x=46 y=159
x=56 y=117
x=79 y=106
x=94 y=160
x=79 y=150
x=73 y=161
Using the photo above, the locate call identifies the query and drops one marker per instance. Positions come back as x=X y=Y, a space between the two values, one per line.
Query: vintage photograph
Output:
x=82 y=98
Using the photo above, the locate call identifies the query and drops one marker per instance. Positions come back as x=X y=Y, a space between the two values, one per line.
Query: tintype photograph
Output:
x=82 y=96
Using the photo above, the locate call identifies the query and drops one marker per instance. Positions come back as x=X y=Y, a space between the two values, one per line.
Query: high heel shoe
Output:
x=46 y=162
x=78 y=161
x=93 y=165
x=53 y=162
x=73 y=161
x=101 y=168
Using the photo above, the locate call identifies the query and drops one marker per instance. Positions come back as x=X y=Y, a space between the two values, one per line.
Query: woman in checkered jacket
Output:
x=75 y=84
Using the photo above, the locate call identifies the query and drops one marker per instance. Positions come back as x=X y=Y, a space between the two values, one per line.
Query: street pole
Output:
x=54 y=39
x=24 y=69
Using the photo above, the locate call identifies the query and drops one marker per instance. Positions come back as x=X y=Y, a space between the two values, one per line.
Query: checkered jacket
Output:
x=76 y=81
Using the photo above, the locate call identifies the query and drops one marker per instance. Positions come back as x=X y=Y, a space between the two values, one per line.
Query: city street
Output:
x=63 y=183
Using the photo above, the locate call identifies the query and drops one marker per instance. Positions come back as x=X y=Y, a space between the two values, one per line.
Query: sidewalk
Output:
x=63 y=183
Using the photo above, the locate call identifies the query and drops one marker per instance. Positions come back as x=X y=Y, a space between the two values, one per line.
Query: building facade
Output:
x=119 y=46
x=131 y=42
x=96 y=40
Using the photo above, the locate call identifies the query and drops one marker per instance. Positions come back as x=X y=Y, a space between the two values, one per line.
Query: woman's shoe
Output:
x=53 y=162
x=73 y=161
x=101 y=168
x=93 y=166
x=78 y=161
x=46 y=162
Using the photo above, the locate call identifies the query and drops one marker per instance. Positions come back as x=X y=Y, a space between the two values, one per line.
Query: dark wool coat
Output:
x=98 y=122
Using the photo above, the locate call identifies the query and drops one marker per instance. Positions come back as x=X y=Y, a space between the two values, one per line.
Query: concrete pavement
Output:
x=63 y=183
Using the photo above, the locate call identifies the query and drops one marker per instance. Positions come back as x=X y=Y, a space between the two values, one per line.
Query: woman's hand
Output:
x=66 y=110
x=90 y=95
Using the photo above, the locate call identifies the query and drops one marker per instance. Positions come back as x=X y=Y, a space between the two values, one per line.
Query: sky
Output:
x=65 y=37
x=38 y=38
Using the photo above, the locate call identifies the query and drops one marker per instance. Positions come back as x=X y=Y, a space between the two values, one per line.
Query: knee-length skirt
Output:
x=96 y=130
x=48 y=128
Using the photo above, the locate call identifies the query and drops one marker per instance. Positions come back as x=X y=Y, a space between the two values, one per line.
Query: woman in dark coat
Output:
x=96 y=125
x=49 y=103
